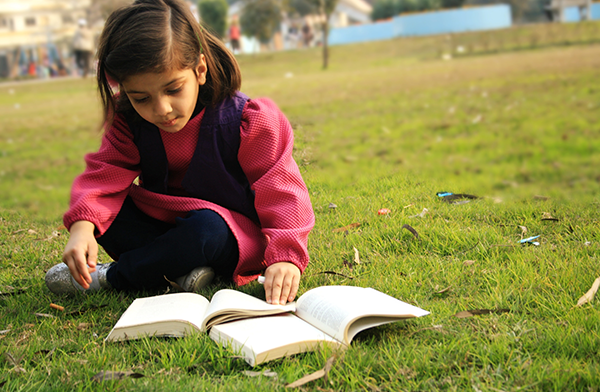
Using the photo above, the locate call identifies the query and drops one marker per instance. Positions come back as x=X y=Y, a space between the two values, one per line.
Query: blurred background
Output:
x=57 y=38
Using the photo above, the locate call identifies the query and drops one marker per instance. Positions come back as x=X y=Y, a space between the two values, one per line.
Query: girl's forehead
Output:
x=154 y=74
x=153 y=79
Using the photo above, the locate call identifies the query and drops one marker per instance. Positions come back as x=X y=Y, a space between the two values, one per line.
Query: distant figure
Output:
x=234 y=36
x=307 y=34
x=83 y=45
x=293 y=36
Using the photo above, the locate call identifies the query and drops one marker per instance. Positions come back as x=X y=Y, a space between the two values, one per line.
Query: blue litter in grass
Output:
x=530 y=240
x=456 y=198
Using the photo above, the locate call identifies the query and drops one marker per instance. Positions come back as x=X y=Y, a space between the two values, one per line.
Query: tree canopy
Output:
x=261 y=19
x=214 y=15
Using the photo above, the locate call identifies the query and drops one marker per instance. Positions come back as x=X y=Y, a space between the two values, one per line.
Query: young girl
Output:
x=192 y=178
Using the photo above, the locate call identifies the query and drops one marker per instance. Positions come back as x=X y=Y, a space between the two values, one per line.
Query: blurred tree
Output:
x=522 y=10
x=326 y=8
x=301 y=7
x=214 y=15
x=452 y=3
x=383 y=9
x=261 y=19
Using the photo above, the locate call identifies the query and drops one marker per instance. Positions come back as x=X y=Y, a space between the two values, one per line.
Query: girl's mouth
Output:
x=169 y=123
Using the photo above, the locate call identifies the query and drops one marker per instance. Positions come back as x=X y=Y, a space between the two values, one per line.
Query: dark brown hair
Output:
x=158 y=36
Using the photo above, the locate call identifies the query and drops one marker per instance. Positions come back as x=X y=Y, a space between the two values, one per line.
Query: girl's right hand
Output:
x=81 y=252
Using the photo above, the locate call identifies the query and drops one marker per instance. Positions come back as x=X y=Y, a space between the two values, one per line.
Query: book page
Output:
x=188 y=307
x=334 y=308
x=265 y=338
x=228 y=305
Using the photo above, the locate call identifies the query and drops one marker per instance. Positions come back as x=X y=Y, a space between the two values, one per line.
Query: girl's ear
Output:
x=201 y=70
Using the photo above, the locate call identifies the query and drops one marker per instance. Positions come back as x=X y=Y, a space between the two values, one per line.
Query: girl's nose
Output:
x=163 y=107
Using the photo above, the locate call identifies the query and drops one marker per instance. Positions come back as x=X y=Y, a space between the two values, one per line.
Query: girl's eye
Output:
x=142 y=100
x=174 y=91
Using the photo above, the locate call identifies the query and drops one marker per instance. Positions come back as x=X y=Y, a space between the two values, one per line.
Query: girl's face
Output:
x=166 y=99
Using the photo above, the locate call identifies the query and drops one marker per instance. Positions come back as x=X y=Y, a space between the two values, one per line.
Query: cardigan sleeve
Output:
x=98 y=193
x=281 y=196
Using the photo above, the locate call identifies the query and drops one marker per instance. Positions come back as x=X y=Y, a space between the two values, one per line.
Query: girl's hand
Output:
x=281 y=283
x=81 y=252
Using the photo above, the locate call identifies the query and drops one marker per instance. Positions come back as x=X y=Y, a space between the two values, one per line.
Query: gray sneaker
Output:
x=60 y=281
x=196 y=279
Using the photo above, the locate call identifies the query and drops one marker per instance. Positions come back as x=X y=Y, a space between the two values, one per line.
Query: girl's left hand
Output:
x=281 y=283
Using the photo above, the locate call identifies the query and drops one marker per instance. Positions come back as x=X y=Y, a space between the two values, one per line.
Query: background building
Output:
x=36 y=36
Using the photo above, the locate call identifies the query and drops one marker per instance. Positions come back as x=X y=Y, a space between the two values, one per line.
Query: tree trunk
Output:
x=325 y=44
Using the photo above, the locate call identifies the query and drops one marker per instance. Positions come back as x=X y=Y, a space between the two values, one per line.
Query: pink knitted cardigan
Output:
x=265 y=155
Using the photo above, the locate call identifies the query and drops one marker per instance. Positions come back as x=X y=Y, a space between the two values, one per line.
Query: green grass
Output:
x=387 y=126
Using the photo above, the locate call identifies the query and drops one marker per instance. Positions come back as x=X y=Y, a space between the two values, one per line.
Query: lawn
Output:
x=388 y=125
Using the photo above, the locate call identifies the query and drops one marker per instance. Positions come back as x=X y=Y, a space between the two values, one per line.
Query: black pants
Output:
x=148 y=250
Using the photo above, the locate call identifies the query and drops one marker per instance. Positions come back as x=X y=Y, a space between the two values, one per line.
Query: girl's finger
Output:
x=70 y=262
x=285 y=290
x=294 y=288
x=276 y=286
x=80 y=273
x=92 y=256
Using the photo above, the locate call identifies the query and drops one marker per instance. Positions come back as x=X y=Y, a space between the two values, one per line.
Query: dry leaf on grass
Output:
x=15 y=362
x=412 y=230
x=442 y=291
x=29 y=231
x=479 y=312
x=546 y=216
x=356 y=256
x=328 y=366
x=334 y=273
x=523 y=230
x=110 y=375
x=44 y=315
x=266 y=373
x=346 y=228
x=314 y=376
x=306 y=379
x=468 y=262
x=422 y=214
x=55 y=234
x=589 y=296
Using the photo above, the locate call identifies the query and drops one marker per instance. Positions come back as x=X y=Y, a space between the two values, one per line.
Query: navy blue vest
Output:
x=214 y=173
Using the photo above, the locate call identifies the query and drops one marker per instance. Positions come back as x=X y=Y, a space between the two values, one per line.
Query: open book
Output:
x=330 y=315
x=179 y=314
x=259 y=331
